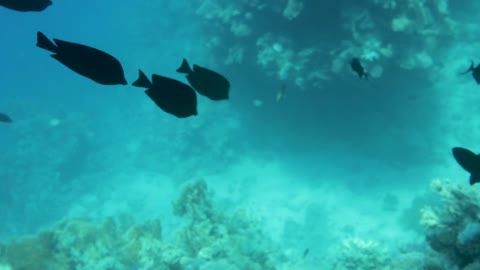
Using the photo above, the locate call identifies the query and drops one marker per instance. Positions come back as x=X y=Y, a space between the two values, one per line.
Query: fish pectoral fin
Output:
x=184 y=68
x=471 y=68
x=44 y=43
x=142 y=80
x=474 y=178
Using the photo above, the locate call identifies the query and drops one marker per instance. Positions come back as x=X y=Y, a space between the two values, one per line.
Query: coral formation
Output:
x=230 y=16
x=427 y=19
x=276 y=54
x=452 y=234
x=293 y=9
x=212 y=237
x=209 y=240
x=374 y=32
x=358 y=254
x=453 y=229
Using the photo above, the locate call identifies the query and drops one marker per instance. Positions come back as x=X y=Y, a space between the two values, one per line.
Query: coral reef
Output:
x=426 y=21
x=453 y=228
x=232 y=16
x=374 y=31
x=209 y=240
x=293 y=9
x=212 y=237
x=358 y=254
x=284 y=62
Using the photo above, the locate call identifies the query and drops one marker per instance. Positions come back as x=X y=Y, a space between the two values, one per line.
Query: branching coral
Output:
x=277 y=56
x=230 y=16
x=210 y=236
x=194 y=202
x=358 y=254
x=425 y=21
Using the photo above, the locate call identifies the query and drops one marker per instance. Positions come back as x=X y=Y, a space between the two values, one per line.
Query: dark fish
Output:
x=87 y=61
x=5 y=118
x=26 y=5
x=170 y=95
x=358 y=68
x=305 y=252
x=207 y=82
x=469 y=162
x=475 y=72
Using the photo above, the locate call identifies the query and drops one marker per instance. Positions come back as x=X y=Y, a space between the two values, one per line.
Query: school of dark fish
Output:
x=172 y=96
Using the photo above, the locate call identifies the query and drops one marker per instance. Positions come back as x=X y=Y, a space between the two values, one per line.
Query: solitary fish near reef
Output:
x=305 y=252
x=358 y=68
x=5 y=118
x=87 y=61
x=170 y=95
x=475 y=72
x=469 y=162
x=207 y=82
x=26 y=5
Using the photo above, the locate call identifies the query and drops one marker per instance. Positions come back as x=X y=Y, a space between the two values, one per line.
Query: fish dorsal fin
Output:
x=157 y=80
x=142 y=80
x=44 y=43
x=471 y=68
x=184 y=68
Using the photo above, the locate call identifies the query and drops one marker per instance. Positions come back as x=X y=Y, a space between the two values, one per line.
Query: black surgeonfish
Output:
x=86 y=61
x=358 y=68
x=26 y=5
x=5 y=118
x=207 y=82
x=475 y=72
x=172 y=96
x=469 y=162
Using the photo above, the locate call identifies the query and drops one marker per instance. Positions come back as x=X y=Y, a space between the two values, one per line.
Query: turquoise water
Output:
x=335 y=175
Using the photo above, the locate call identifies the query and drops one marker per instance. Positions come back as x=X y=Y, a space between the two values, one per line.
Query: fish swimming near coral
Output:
x=469 y=162
x=26 y=5
x=5 y=118
x=172 y=96
x=475 y=72
x=358 y=68
x=206 y=82
x=84 y=60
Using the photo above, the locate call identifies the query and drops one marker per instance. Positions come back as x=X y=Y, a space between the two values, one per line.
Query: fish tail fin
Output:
x=184 y=68
x=471 y=68
x=44 y=43
x=142 y=80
